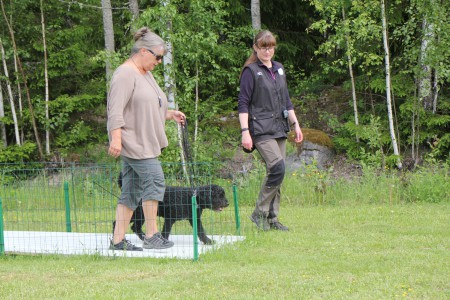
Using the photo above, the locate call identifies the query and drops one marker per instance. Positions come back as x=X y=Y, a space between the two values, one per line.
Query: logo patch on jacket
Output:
x=259 y=74
x=281 y=72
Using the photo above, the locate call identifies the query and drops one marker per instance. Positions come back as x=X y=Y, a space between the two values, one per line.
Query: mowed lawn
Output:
x=331 y=252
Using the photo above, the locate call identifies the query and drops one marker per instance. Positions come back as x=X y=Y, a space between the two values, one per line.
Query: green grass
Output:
x=367 y=251
x=377 y=236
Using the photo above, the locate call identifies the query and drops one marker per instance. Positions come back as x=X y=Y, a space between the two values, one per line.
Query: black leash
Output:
x=190 y=166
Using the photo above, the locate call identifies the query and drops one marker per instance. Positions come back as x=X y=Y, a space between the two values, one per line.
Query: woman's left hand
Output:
x=298 y=134
x=179 y=117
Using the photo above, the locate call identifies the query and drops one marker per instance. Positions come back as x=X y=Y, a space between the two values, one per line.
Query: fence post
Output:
x=2 y=236
x=66 y=199
x=194 y=224
x=236 y=210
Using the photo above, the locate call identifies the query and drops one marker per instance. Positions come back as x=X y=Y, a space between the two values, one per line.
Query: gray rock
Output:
x=310 y=153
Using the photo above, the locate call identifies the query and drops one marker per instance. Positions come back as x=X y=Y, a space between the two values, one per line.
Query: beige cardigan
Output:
x=133 y=106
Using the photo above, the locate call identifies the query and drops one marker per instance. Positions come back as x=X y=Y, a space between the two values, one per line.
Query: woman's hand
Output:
x=177 y=116
x=115 y=147
x=298 y=134
x=247 y=141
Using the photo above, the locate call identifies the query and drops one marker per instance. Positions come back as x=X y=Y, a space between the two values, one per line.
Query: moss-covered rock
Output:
x=314 y=136
x=316 y=148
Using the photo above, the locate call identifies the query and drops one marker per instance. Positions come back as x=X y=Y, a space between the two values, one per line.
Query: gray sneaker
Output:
x=124 y=245
x=157 y=241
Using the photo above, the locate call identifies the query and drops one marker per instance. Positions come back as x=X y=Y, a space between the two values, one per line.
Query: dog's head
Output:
x=212 y=197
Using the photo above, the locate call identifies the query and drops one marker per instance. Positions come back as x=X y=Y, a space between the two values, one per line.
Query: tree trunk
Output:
x=256 y=14
x=350 y=70
x=134 y=8
x=19 y=98
x=435 y=90
x=425 y=95
x=388 y=84
x=109 y=36
x=2 y=115
x=169 y=81
x=47 y=131
x=196 y=104
x=19 y=63
x=11 y=99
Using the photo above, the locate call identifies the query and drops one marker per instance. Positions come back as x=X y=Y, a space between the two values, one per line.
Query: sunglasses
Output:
x=158 y=57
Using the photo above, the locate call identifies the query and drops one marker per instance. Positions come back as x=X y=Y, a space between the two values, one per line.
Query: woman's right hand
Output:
x=115 y=147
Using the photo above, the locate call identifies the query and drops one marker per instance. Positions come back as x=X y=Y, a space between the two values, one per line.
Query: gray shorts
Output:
x=142 y=179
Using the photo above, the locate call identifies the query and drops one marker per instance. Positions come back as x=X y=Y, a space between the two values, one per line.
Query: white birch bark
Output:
x=108 y=30
x=11 y=98
x=435 y=90
x=19 y=100
x=425 y=95
x=350 y=71
x=196 y=104
x=169 y=84
x=256 y=14
x=169 y=80
x=2 y=115
x=47 y=131
x=388 y=84
x=134 y=8
x=24 y=78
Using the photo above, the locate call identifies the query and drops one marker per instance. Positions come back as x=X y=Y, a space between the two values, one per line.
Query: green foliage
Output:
x=208 y=54
x=358 y=35
x=440 y=149
x=79 y=133
x=367 y=143
x=211 y=40
x=202 y=38
x=15 y=153
x=427 y=184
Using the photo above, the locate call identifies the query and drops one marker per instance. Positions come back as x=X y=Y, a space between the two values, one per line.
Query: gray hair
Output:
x=145 y=38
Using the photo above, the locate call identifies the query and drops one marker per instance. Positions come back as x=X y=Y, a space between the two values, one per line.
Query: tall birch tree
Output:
x=2 y=115
x=24 y=78
x=44 y=43
x=425 y=78
x=19 y=100
x=350 y=68
x=108 y=30
x=388 y=84
x=10 y=95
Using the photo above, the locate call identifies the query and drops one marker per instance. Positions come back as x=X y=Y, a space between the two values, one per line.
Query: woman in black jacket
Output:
x=266 y=114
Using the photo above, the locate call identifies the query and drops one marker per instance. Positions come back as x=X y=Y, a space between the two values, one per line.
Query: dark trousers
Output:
x=268 y=203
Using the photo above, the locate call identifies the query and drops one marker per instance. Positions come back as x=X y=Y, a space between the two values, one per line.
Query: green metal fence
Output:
x=69 y=209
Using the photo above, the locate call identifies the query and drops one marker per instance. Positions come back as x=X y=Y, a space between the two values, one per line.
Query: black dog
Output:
x=177 y=205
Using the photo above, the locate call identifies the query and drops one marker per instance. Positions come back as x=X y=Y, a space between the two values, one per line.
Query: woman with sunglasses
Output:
x=137 y=110
x=265 y=115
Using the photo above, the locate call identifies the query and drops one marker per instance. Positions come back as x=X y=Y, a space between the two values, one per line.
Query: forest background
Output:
x=372 y=74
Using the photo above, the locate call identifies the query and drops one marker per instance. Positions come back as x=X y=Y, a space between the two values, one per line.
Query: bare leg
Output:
x=150 y=208
x=123 y=217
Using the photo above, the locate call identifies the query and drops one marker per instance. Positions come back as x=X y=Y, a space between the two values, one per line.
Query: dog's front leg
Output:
x=201 y=231
x=168 y=222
